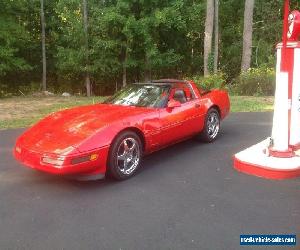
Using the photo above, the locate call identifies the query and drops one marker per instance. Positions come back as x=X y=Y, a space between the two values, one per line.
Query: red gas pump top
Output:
x=293 y=26
x=291 y=32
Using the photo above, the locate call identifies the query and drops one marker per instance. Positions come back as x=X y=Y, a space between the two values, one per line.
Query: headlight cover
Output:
x=53 y=161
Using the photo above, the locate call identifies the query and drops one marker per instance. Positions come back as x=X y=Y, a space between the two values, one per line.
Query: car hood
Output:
x=62 y=132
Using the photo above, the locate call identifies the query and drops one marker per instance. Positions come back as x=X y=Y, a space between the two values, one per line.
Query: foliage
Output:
x=14 y=38
x=214 y=81
x=150 y=39
x=256 y=81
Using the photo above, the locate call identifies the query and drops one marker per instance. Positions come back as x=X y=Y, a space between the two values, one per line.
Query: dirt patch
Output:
x=17 y=108
x=27 y=107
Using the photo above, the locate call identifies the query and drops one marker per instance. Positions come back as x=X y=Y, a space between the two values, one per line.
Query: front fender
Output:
x=103 y=137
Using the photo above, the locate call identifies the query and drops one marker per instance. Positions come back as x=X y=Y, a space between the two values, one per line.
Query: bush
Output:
x=8 y=90
x=215 y=81
x=256 y=81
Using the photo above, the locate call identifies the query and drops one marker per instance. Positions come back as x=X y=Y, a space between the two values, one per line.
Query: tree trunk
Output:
x=124 y=76
x=87 y=62
x=88 y=85
x=43 y=24
x=247 y=36
x=209 y=25
x=216 y=52
x=147 y=75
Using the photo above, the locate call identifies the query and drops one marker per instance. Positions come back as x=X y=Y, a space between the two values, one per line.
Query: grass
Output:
x=251 y=104
x=19 y=112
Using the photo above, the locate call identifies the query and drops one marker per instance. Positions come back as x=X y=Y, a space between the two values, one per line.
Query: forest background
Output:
x=94 y=47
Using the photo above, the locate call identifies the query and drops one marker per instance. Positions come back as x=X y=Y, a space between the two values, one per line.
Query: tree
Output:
x=216 y=51
x=14 y=39
x=121 y=41
x=86 y=45
x=209 y=25
x=73 y=57
x=111 y=40
x=43 y=24
x=247 y=35
x=165 y=38
x=231 y=33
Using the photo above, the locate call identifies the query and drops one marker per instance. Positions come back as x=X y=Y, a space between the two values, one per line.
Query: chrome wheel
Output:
x=128 y=156
x=213 y=125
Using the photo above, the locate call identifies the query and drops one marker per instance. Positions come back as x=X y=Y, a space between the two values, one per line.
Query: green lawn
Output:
x=24 y=111
x=251 y=104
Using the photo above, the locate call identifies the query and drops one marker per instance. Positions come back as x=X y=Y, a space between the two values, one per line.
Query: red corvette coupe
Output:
x=111 y=137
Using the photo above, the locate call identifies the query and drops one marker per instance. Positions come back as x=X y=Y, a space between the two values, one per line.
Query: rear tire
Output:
x=211 y=128
x=125 y=156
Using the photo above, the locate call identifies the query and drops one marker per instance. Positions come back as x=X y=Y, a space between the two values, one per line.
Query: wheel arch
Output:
x=215 y=106
x=136 y=130
x=111 y=168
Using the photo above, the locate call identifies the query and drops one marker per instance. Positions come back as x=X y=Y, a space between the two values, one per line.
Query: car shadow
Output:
x=182 y=149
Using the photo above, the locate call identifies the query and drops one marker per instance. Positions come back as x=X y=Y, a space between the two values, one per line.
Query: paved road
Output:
x=186 y=197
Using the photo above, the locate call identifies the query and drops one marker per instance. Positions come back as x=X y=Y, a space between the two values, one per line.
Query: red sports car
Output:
x=89 y=142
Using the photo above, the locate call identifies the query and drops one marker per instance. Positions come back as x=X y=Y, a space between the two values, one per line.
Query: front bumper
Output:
x=34 y=160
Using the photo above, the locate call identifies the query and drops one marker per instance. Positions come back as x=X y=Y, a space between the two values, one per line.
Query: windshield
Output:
x=140 y=95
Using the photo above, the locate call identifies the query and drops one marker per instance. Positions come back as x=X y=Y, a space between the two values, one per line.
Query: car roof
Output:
x=163 y=82
x=169 y=81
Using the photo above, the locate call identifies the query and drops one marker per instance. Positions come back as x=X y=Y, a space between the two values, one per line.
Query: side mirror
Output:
x=173 y=104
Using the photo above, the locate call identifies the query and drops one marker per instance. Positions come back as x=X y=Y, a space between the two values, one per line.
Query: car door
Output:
x=180 y=122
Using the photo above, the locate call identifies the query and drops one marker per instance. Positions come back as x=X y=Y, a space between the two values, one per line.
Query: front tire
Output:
x=125 y=156
x=211 y=126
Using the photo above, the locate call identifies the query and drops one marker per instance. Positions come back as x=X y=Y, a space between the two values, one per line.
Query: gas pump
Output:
x=278 y=157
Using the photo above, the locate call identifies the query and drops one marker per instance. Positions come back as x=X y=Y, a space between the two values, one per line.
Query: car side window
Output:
x=179 y=95
x=188 y=92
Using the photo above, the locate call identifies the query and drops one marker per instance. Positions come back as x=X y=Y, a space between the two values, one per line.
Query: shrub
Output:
x=256 y=81
x=214 y=81
x=8 y=90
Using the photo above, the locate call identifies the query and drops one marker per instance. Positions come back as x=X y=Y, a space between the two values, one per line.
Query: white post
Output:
x=295 y=112
x=280 y=119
